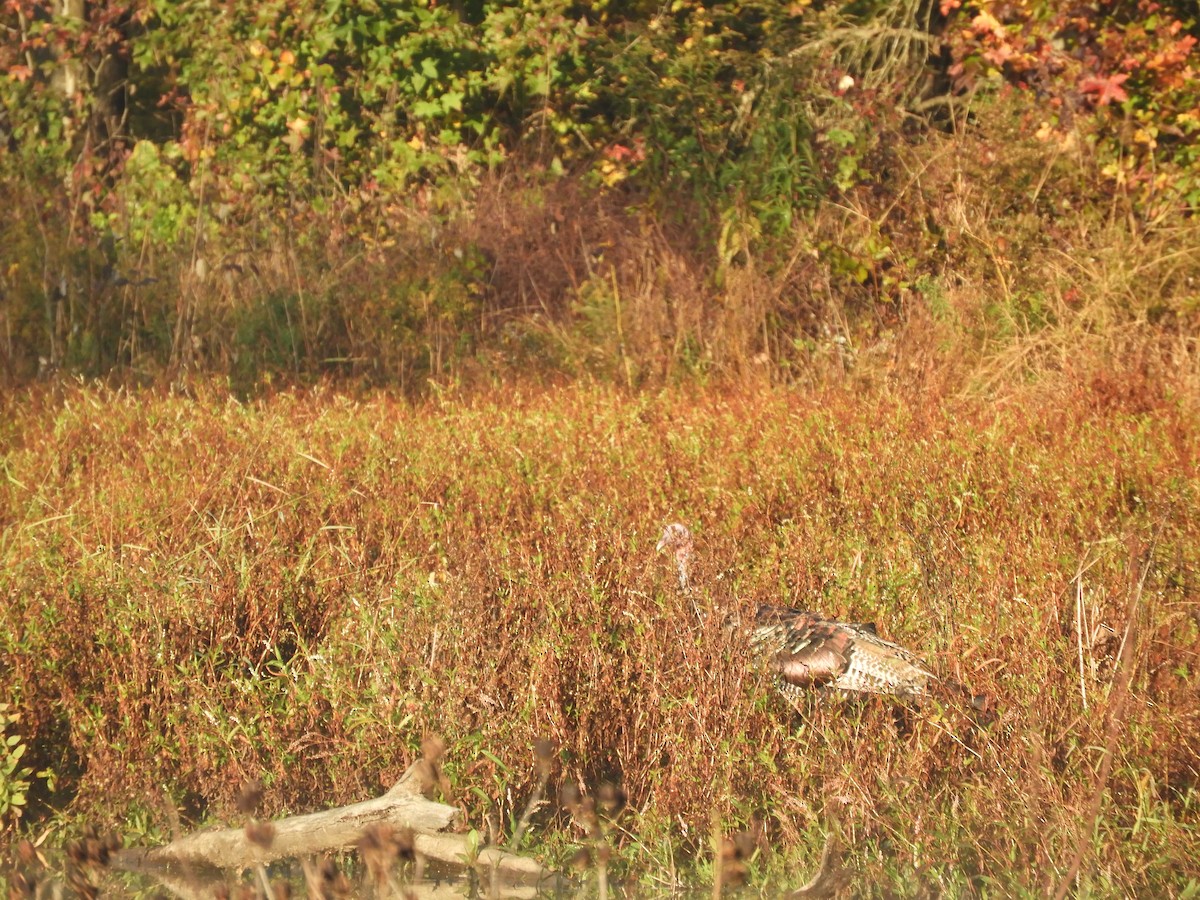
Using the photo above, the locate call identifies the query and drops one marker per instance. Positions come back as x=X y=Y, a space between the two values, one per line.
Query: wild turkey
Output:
x=806 y=650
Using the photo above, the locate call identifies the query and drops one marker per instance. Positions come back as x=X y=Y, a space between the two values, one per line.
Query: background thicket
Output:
x=395 y=192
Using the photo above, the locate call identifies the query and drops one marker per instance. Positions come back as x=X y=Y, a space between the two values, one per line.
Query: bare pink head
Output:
x=676 y=539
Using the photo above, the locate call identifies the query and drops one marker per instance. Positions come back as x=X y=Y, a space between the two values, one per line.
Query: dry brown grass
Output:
x=299 y=589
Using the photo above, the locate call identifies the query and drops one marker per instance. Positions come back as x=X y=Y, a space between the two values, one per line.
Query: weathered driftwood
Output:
x=341 y=828
x=331 y=829
x=452 y=848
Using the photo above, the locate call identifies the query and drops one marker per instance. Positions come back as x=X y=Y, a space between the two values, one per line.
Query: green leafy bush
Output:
x=15 y=779
x=360 y=96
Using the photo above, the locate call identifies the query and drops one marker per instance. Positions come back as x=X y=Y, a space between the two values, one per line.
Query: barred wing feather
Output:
x=806 y=650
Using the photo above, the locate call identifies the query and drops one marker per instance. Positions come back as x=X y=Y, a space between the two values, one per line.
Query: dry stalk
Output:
x=1113 y=732
x=544 y=752
x=1080 y=628
x=1082 y=625
x=718 y=857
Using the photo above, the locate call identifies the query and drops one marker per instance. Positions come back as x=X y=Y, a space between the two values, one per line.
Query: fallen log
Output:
x=304 y=835
x=342 y=828
x=511 y=867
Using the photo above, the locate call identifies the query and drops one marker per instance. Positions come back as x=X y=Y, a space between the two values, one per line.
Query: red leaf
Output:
x=1105 y=90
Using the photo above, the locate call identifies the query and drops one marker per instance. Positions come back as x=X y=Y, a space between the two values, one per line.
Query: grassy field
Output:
x=200 y=591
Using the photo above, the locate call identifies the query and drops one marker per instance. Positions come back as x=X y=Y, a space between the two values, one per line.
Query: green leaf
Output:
x=840 y=137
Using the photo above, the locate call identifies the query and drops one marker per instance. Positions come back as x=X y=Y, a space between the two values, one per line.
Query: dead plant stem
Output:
x=1116 y=709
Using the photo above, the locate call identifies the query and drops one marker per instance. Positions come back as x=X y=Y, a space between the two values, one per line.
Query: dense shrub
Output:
x=273 y=189
x=1117 y=73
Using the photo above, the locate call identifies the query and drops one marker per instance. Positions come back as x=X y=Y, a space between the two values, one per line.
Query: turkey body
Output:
x=805 y=650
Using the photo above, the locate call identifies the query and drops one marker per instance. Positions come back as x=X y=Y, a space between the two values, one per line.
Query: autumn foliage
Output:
x=356 y=353
x=279 y=192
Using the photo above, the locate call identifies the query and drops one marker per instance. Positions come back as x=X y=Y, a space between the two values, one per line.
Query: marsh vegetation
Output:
x=355 y=357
